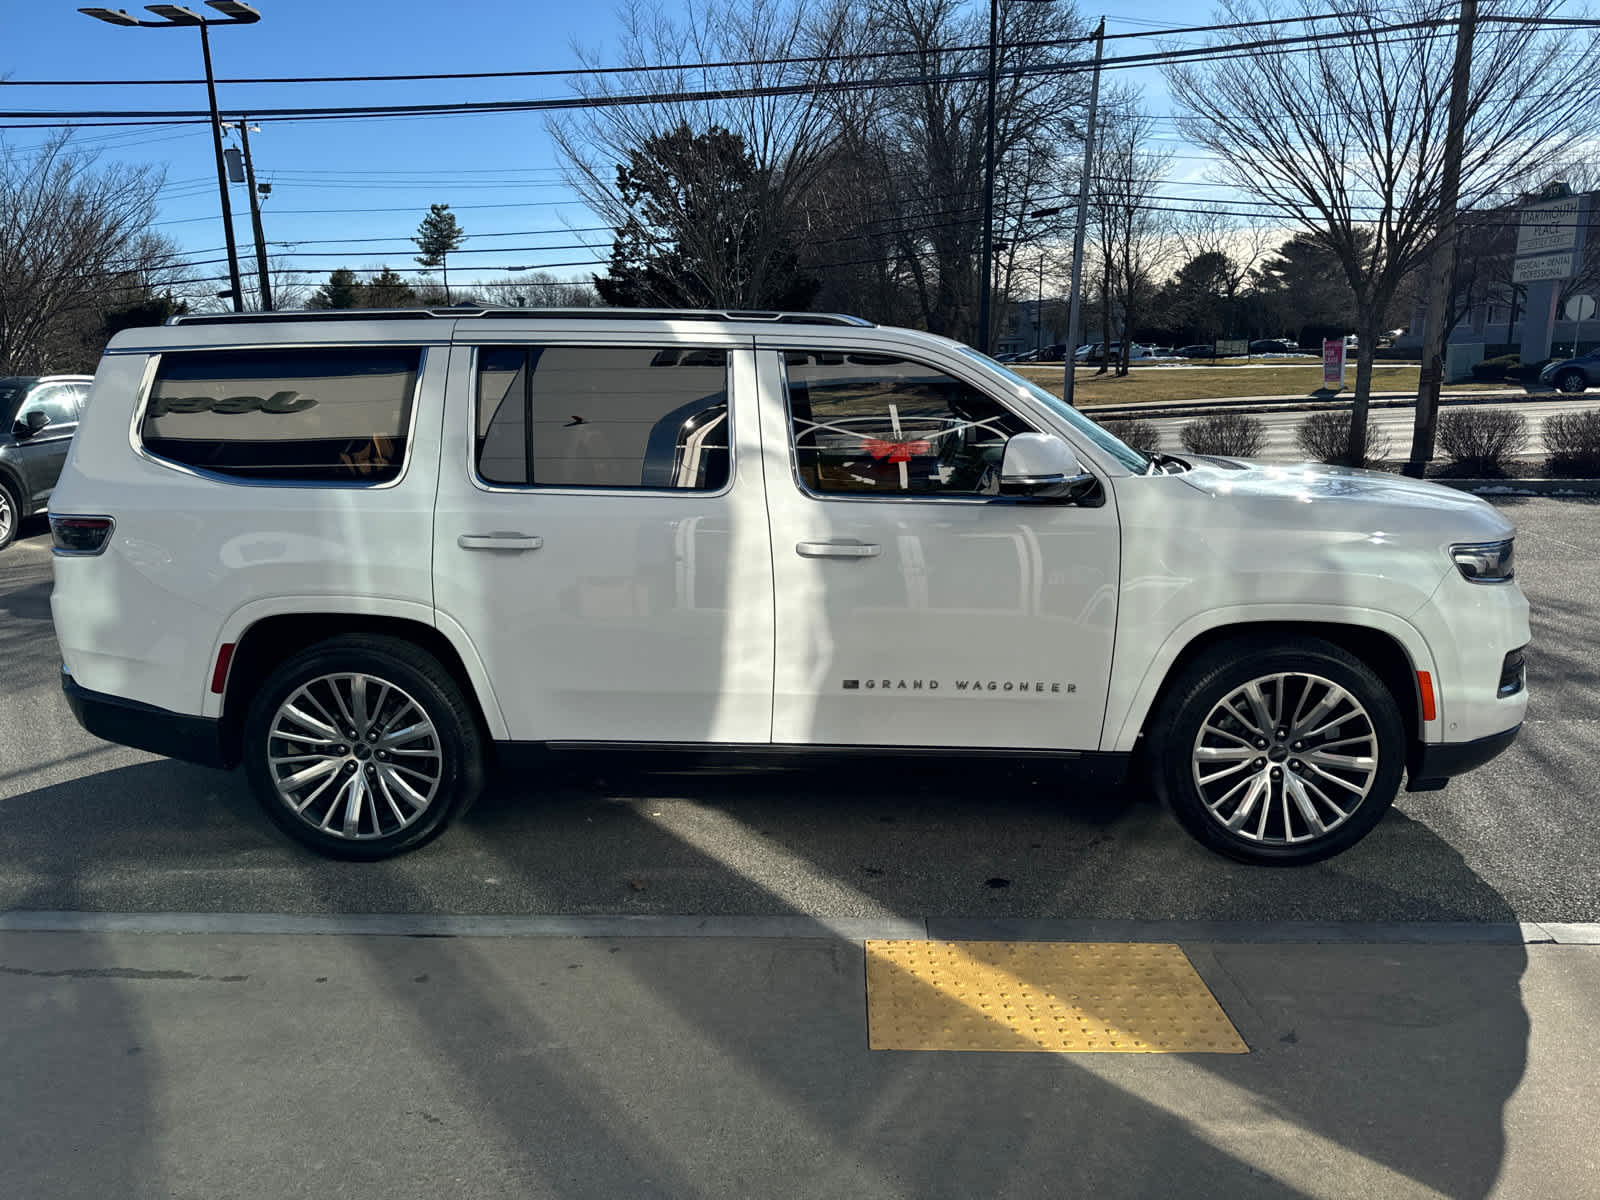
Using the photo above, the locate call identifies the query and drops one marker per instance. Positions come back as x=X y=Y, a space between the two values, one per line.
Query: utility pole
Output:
x=1442 y=265
x=987 y=256
x=255 y=216
x=1075 y=310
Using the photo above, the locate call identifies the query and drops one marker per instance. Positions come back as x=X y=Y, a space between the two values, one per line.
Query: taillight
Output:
x=81 y=535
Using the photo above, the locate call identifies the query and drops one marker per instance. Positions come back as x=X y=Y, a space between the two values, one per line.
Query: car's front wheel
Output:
x=1278 y=753
x=362 y=747
x=1572 y=381
x=10 y=516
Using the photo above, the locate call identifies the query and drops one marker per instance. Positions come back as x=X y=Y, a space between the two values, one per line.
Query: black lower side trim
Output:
x=1432 y=765
x=146 y=727
x=1108 y=768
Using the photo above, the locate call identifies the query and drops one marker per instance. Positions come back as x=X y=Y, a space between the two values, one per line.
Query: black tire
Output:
x=1300 y=673
x=1572 y=381
x=421 y=695
x=10 y=516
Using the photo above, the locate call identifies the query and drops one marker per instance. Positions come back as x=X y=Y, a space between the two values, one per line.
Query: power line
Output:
x=1421 y=31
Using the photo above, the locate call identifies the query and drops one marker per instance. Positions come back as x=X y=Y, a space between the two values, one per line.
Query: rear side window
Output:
x=603 y=417
x=317 y=415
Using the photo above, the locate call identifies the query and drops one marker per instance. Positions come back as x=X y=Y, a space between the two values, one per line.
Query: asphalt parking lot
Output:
x=611 y=981
x=92 y=827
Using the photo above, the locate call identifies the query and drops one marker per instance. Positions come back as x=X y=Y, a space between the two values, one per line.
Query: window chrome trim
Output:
x=547 y=489
x=147 y=385
x=885 y=497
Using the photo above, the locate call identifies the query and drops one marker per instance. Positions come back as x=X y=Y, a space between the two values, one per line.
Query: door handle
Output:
x=837 y=550
x=499 y=541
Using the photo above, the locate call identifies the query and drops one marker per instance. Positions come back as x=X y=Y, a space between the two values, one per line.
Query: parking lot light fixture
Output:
x=176 y=16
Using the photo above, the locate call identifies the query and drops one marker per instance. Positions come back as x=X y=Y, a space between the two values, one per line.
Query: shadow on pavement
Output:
x=737 y=1066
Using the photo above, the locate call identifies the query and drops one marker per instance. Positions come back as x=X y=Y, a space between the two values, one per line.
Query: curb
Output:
x=852 y=929
x=1524 y=487
x=1201 y=408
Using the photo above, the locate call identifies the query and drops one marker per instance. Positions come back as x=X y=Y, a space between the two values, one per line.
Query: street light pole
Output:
x=222 y=175
x=177 y=17
x=1075 y=309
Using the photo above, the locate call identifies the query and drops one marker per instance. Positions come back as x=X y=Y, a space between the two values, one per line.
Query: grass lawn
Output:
x=1208 y=383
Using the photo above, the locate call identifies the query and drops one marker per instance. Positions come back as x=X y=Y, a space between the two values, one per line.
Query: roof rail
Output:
x=530 y=314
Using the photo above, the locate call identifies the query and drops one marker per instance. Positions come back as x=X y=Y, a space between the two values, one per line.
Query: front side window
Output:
x=603 y=417
x=883 y=425
x=322 y=415
x=57 y=401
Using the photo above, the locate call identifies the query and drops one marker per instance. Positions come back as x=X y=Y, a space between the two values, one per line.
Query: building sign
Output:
x=1333 y=363
x=1547 y=228
x=1561 y=265
x=1549 y=240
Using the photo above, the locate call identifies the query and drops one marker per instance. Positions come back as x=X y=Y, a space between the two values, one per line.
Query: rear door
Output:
x=601 y=531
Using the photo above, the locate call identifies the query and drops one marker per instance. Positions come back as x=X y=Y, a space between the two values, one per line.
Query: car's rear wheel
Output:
x=362 y=747
x=1572 y=381
x=10 y=516
x=1278 y=753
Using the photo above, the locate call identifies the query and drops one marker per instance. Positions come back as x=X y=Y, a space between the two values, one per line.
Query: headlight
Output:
x=1484 y=562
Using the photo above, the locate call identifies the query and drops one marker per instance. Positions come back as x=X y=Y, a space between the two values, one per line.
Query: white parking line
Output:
x=797 y=926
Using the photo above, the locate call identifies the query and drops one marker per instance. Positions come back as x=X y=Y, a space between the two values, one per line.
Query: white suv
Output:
x=365 y=554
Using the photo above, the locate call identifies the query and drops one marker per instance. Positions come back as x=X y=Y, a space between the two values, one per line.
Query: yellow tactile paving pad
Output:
x=1059 y=997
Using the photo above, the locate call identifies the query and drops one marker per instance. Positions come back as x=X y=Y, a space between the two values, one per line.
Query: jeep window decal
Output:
x=331 y=414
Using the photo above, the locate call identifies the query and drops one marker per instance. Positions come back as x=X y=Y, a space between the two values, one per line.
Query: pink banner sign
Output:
x=1333 y=363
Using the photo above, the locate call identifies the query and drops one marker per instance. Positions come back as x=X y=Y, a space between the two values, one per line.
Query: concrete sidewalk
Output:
x=1451 y=1060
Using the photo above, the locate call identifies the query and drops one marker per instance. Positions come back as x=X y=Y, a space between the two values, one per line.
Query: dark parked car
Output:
x=1274 y=346
x=1573 y=374
x=1198 y=350
x=38 y=416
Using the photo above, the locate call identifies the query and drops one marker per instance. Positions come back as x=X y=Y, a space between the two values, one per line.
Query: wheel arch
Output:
x=1385 y=651
x=265 y=643
x=19 y=492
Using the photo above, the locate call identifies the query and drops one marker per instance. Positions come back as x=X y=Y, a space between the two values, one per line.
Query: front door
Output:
x=44 y=453
x=601 y=534
x=915 y=605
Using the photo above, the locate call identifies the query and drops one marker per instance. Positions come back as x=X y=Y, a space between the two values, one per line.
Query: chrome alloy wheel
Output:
x=8 y=516
x=1285 y=759
x=354 y=756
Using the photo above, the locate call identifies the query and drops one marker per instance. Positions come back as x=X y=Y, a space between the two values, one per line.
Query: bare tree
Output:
x=74 y=241
x=785 y=137
x=928 y=121
x=537 y=289
x=1132 y=230
x=1346 y=137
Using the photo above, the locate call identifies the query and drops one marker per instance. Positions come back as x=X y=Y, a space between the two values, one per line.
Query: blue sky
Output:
x=338 y=181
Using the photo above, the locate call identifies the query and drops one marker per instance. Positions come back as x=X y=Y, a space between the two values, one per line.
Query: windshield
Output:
x=1123 y=453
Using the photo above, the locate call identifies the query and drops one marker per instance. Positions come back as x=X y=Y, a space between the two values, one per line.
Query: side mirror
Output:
x=1044 y=467
x=31 y=424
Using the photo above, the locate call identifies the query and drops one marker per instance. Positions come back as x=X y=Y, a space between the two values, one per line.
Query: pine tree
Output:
x=438 y=235
x=341 y=291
